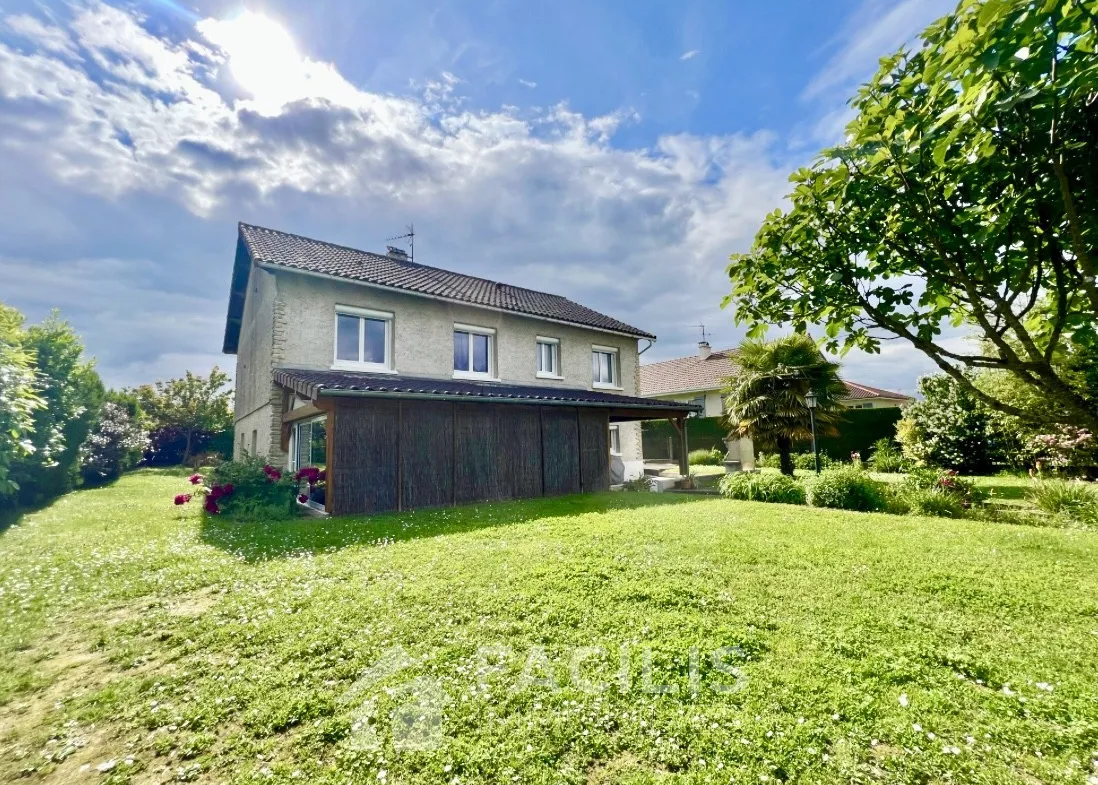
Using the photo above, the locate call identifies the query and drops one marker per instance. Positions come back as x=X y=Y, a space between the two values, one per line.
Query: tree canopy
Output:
x=964 y=194
x=765 y=399
x=192 y=404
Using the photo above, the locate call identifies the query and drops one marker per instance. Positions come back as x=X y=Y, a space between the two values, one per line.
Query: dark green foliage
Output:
x=846 y=488
x=659 y=439
x=801 y=460
x=1073 y=499
x=857 y=431
x=765 y=400
x=762 y=487
x=72 y=393
x=950 y=428
x=257 y=490
x=710 y=457
x=190 y=409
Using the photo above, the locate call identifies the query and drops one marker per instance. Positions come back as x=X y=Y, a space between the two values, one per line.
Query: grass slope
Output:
x=142 y=640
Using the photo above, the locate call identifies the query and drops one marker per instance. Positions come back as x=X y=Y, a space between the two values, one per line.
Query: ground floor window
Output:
x=615 y=440
x=309 y=448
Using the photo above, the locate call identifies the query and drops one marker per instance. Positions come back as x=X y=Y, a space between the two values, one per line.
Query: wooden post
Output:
x=680 y=426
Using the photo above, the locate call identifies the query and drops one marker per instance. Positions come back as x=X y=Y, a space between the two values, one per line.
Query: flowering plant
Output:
x=1068 y=447
x=248 y=485
x=315 y=478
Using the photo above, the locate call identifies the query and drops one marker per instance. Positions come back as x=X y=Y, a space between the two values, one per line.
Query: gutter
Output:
x=331 y=393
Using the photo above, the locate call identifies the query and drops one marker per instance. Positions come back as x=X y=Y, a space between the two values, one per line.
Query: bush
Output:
x=762 y=487
x=247 y=488
x=1071 y=498
x=642 y=483
x=805 y=460
x=712 y=457
x=847 y=489
x=116 y=444
x=886 y=457
x=931 y=501
x=966 y=492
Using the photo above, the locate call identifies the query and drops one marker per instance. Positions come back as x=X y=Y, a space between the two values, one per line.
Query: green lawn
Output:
x=858 y=648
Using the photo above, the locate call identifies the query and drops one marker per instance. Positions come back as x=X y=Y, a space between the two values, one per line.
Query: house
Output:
x=415 y=386
x=699 y=380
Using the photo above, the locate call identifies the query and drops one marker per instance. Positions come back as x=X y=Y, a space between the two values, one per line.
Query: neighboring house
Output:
x=699 y=380
x=415 y=386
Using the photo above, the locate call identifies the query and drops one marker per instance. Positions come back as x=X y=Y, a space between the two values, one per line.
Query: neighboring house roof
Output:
x=320 y=383
x=863 y=392
x=698 y=374
x=294 y=252
x=687 y=374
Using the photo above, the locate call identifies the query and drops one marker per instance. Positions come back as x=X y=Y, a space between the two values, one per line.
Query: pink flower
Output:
x=195 y=478
x=272 y=473
x=228 y=489
x=211 y=506
x=182 y=498
x=302 y=498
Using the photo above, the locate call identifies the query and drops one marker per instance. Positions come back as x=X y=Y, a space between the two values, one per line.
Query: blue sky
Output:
x=613 y=152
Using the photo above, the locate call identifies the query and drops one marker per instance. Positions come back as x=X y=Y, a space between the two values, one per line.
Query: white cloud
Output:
x=49 y=37
x=690 y=55
x=878 y=29
x=541 y=199
x=528 y=83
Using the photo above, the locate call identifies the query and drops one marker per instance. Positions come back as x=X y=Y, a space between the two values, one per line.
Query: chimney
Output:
x=397 y=253
x=703 y=349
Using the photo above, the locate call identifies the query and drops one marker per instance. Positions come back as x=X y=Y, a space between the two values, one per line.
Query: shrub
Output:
x=247 y=488
x=642 y=483
x=712 y=457
x=965 y=491
x=847 y=489
x=805 y=460
x=1072 y=498
x=931 y=501
x=762 y=487
x=886 y=457
x=116 y=444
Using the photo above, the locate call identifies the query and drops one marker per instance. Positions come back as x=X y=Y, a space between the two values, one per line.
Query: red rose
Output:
x=182 y=498
x=302 y=498
x=211 y=506
x=195 y=478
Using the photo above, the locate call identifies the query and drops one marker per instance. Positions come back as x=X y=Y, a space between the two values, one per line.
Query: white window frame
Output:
x=615 y=362
x=362 y=314
x=615 y=436
x=291 y=460
x=472 y=330
x=556 y=372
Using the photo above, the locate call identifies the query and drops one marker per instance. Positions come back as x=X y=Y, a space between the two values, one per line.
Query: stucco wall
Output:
x=290 y=318
x=258 y=399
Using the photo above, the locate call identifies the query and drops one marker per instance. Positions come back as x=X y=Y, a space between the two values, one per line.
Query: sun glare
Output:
x=262 y=57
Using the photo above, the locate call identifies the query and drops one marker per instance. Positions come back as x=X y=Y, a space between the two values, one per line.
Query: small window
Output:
x=604 y=367
x=255 y=443
x=363 y=339
x=698 y=400
x=615 y=440
x=548 y=350
x=309 y=444
x=473 y=351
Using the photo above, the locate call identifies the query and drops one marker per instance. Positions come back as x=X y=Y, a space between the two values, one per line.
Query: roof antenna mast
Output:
x=410 y=236
x=705 y=335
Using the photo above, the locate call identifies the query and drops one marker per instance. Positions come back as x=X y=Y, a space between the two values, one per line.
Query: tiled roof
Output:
x=295 y=252
x=314 y=383
x=688 y=374
x=696 y=373
x=862 y=392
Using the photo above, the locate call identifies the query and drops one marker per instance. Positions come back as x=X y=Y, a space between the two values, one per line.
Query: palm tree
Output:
x=765 y=400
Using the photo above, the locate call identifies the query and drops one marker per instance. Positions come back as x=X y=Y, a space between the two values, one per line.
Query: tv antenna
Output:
x=410 y=236
x=705 y=335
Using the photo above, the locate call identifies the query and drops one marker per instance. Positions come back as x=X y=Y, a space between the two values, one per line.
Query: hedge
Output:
x=858 y=431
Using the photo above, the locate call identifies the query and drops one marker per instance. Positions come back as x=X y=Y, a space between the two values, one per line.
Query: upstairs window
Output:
x=548 y=350
x=363 y=339
x=473 y=347
x=604 y=367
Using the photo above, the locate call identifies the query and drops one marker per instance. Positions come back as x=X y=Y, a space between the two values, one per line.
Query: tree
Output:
x=951 y=428
x=71 y=392
x=195 y=405
x=766 y=399
x=965 y=193
x=19 y=399
x=116 y=444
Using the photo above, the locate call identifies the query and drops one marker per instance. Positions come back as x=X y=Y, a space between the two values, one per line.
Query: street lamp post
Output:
x=810 y=401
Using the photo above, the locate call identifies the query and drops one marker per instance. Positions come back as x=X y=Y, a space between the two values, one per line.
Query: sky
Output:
x=612 y=152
